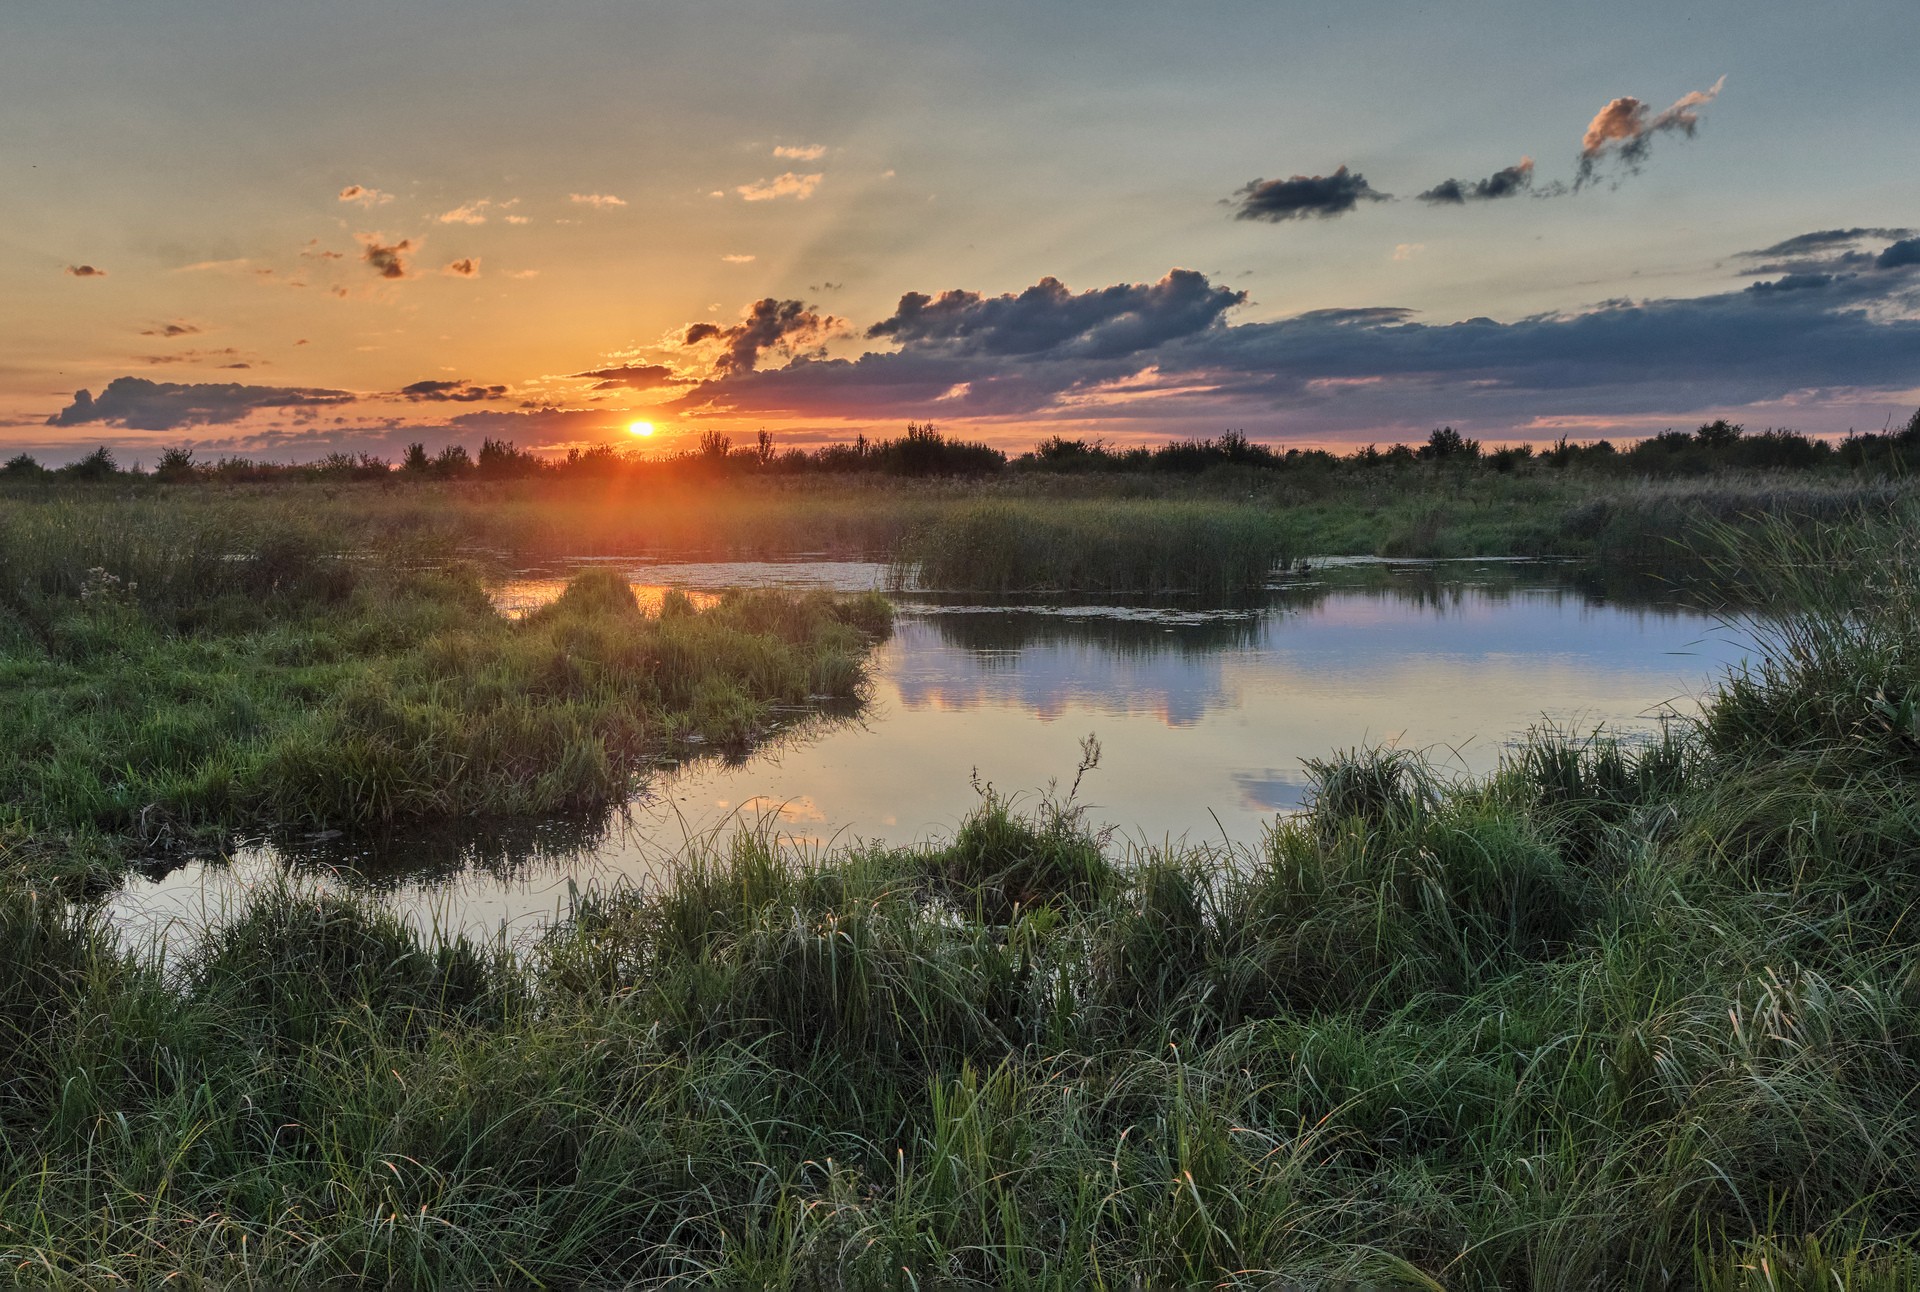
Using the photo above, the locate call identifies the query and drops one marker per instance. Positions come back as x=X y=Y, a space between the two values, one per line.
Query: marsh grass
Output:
x=165 y=682
x=1617 y=1015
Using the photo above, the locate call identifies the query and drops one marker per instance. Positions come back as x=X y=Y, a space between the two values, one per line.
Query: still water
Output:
x=1203 y=714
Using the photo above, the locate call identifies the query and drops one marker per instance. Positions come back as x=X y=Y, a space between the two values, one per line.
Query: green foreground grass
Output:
x=1616 y=1015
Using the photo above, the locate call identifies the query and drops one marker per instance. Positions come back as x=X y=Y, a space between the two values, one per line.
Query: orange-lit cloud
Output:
x=797 y=187
x=364 y=196
x=807 y=152
x=466 y=267
x=1625 y=128
x=466 y=213
x=785 y=327
x=389 y=259
x=738 y=259
x=601 y=201
x=85 y=271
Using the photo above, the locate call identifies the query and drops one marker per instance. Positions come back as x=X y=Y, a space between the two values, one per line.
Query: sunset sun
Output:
x=640 y=428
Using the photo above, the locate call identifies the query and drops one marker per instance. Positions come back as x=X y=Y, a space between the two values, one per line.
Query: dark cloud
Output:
x=85 y=271
x=633 y=376
x=1794 y=283
x=192 y=356
x=786 y=327
x=1821 y=240
x=467 y=267
x=1048 y=318
x=389 y=260
x=1625 y=129
x=1304 y=195
x=459 y=392
x=142 y=405
x=1363 y=369
x=1510 y=181
x=1900 y=254
x=173 y=330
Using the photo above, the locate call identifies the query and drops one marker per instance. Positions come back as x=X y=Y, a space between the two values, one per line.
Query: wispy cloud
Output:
x=789 y=184
x=801 y=152
x=1625 y=128
x=466 y=267
x=456 y=392
x=85 y=271
x=466 y=213
x=600 y=201
x=176 y=328
x=738 y=259
x=364 y=196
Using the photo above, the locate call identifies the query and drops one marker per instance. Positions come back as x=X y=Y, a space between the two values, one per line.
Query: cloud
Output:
x=1508 y=182
x=787 y=327
x=364 y=196
x=173 y=330
x=1794 y=283
x=142 y=405
x=1304 y=195
x=1821 y=240
x=85 y=271
x=738 y=259
x=206 y=266
x=519 y=219
x=1048 y=355
x=1900 y=254
x=523 y=273
x=632 y=376
x=459 y=392
x=807 y=152
x=467 y=213
x=466 y=267
x=192 y=356
x=600 y=201
x=1408 y=250
x=1625 y=129
x=797 y=187
x=1047 y=318
x=389 y=260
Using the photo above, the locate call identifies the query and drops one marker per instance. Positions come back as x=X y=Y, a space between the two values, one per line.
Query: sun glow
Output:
x=640 y=428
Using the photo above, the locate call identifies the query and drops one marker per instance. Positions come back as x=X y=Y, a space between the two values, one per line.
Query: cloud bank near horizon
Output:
x=1837 y=320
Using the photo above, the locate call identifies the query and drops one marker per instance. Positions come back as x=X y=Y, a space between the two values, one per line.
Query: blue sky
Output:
x=567 y=187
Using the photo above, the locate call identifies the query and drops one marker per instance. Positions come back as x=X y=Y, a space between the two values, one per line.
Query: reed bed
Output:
x=1617 y=1015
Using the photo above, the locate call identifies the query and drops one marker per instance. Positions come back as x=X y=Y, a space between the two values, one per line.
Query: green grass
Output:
x=1617 y=1015
x=165 y=677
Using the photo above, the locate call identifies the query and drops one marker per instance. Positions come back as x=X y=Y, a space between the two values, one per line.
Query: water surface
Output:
x=1203 y=713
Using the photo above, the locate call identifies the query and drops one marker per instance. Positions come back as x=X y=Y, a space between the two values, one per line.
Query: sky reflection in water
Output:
x=1203 y=716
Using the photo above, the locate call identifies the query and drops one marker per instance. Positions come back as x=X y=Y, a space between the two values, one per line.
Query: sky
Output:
x=278 y=230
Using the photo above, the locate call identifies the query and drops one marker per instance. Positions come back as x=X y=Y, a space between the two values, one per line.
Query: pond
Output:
x=1203 y=715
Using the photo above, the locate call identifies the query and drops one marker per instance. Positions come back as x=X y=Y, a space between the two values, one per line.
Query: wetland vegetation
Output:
x=1619 y=1013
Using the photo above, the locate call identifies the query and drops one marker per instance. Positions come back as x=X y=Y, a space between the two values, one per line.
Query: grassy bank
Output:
x=1616 y=1015
x=169 y=674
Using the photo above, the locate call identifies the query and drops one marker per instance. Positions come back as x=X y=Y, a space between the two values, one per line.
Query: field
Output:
x=1616 y=1015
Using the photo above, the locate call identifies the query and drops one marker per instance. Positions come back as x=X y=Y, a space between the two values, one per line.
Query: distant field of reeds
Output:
x=1618 y=1015
x=1018 y=533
